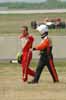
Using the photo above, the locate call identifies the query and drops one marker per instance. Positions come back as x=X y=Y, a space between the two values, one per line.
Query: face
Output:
x=24 y=32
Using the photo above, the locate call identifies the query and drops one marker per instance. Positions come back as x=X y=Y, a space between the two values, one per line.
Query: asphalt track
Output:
x=7 y=11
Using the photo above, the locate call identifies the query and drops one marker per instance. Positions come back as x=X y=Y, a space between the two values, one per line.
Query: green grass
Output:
x=50 y=4
x=13 y=88
x=11 y=23
x=59 y=64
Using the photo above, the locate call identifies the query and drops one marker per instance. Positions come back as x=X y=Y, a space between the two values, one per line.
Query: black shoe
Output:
x=33 y=82
x=56 y=81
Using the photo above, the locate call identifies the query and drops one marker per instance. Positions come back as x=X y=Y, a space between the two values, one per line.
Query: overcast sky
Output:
x=25 y=0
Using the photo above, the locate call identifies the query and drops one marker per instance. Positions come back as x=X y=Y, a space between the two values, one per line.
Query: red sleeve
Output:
x=31 y=40
x=44 y=44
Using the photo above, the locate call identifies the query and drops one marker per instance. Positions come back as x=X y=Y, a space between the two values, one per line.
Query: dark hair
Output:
x=26 y=28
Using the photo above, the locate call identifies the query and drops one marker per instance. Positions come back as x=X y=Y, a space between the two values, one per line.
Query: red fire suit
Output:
x=26 y=57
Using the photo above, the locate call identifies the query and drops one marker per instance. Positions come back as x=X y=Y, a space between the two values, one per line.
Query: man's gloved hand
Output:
x=34 y=48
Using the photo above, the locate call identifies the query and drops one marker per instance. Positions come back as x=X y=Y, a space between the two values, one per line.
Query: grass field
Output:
x=49 y=4
x=10 y=24
x=12 y=87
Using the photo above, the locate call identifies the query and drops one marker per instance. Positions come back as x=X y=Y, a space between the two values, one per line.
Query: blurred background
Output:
x=16 y=13
x=33 y=4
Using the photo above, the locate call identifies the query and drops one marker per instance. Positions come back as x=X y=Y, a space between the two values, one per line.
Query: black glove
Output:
x=34 y=48
x=20 y=59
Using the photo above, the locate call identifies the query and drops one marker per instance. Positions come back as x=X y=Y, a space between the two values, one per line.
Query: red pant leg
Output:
x=25 y=66
x=29 y=71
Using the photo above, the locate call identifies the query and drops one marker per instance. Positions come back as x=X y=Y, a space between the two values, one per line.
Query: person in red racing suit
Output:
x=26 y=53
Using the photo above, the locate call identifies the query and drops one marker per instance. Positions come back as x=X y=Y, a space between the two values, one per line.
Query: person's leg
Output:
x=52 y=70
x=31 y=72
x=25 y=63
x=40 y=66
x=24 y=66
x=28 y=70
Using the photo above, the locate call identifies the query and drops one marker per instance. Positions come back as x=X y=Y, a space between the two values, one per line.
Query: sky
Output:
x=25 y=0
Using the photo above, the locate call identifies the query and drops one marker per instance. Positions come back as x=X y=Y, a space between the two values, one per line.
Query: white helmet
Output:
x=42 y=28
